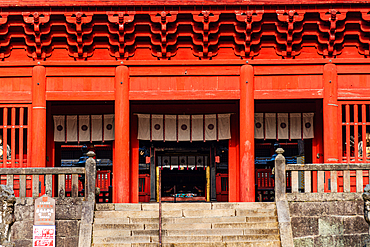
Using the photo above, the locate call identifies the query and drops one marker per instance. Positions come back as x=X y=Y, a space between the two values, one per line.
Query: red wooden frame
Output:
x=222 y=187
x=144 y=188
x=16 y=123
x=349 y=149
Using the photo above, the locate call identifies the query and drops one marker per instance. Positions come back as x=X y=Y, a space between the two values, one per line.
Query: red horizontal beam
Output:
x=184 y=95
x=354 y=94
x=194 y=62
x=171 y=2
x=83 y=71
x=81 y=95
x=353 y=69
x=185 y=70
x=289 y=70
x=15 y=71
x=289 y=94
x=16 y=96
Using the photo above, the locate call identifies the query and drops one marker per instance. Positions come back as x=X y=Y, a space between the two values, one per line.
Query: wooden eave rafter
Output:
x=56 y=3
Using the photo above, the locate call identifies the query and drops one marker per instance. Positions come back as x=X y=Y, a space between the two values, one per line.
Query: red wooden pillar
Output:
x=134 y=182
x=234 y=160
x=246 y=179
x=38 y=119
x=121 y=163
x=330 y=114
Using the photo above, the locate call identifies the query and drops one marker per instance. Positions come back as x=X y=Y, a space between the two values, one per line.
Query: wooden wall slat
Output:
x=22 y=186
x=295 y=181
x=307 y=181
x=346 y=182
x=49 y=185
x=320 y=181
x=74 y=185
x=61 y=185
x=9 y=181
x=35 y=186
x=359 y=181
x=333 y=181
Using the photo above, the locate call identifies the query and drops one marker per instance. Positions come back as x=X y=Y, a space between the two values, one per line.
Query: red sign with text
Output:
x=43 y=236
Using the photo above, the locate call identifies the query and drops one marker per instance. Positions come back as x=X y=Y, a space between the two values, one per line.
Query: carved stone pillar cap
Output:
x=91 y=154
x=279 y=151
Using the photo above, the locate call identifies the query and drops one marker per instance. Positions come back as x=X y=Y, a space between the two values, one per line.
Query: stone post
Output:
x=282 y=207
x=87 y=218
x=6 y=214
x=90 y=177
x=280 y=176
x=366 y=197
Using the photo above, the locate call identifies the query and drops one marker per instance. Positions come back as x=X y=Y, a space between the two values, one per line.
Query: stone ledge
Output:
x=58 y=201
x=323 y=197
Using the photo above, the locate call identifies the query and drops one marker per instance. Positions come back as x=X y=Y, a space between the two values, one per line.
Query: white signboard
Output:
x=43 y=236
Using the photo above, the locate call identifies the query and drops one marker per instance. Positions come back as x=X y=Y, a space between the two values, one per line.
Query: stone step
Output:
x=208 y=232
x=186 y=213
x=118 y=226
x=170 y=226
x=216 y=244
x=111 y=245
x=206 y=244
x=176 y=206
x=196 y=225
x=209 y=213
x=136 y=214
x=243 y=205
x=266 y=231
x=111 y=232
x=129 y=239
x=256 y=212
x=244 y=238
x=112 y=220
x=184 y=220
x=257 y=231
x=187 y=239
x=191 y=239
x=181 y=206
x=247 y=225
x=188 y=220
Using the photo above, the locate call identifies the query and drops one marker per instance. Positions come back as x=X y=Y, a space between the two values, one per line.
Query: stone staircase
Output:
x=186 y=224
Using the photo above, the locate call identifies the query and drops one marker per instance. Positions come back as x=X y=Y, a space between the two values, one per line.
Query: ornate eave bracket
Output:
x=330 y=24
x=289 y=28
x=168 y=27
x=252 y=21
x=78 y=31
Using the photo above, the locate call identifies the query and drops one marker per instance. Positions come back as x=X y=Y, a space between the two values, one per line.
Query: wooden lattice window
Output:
x=14 y=129
x=355 y=132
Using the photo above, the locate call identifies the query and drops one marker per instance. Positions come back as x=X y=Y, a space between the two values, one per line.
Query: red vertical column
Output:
x=38 y=119
x=50 y=144
x=234 y=160
x=121 y=163
x=330 y=114
x=246 y=175
x=134 y=181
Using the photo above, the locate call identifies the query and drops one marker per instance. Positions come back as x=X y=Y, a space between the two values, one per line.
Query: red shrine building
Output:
x=201 y=92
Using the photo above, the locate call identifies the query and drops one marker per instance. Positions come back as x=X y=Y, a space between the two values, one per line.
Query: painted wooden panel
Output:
x=156 y=2
x=353 y=69
x=184 y=87
x=354 y=86
x=354 y=80
x=288 y=70
x=184 y=70
x=16 y=71
x=16 y=89
x=80 y=88
x=288 y=82
x=80 y=71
